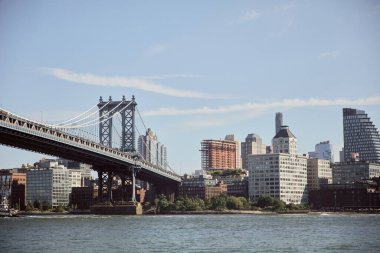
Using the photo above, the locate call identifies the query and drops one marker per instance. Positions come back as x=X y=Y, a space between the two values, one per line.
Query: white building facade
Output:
x=51 y=182
x=50 y=185
x=282 y=174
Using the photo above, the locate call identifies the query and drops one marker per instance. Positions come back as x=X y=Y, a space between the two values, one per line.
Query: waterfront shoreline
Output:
x=208 y=212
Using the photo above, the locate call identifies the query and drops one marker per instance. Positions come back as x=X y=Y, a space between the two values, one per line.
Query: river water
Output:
x=192 y=233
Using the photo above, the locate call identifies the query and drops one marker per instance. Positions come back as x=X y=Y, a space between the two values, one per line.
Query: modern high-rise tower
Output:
x=360 y=136
x=278 y=122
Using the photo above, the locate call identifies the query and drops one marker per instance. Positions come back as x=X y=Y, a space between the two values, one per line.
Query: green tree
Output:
x=29 y=207
x=264 y=201
x=218 y=202
x=59 y=209
x=193 y=204
x=246 y=203
x=234 y=203
x=37 y=204
x=46 y=206
x=278 y=204
x=162 y=204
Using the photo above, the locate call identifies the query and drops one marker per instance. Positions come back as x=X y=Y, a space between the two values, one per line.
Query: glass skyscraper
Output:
x=360 y=136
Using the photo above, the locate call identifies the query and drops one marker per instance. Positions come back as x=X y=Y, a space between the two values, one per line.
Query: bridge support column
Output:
x=122 y=178
x=109 y=186
x=133 y=184
x=100 y=186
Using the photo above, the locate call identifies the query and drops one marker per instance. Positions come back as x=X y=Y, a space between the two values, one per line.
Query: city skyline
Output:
x=198 y=71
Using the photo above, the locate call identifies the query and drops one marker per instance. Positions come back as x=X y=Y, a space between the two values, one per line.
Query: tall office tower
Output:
x=218 y=154
x=253 y=145
x=323 y=150
x=231 y=137
x=284 y=142
x=360 y=136
x=282 y=174
x=279 y=122
x=151 y=150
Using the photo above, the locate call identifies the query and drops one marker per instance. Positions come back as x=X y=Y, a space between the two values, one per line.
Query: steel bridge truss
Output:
x=128 y=125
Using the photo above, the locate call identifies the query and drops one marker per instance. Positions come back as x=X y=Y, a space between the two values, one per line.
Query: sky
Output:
x=198 y=69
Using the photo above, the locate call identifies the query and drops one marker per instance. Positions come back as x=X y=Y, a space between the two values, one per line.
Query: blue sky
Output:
x=198 y=69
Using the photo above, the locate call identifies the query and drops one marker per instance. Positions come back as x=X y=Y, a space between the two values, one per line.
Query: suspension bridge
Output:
x=90 y=138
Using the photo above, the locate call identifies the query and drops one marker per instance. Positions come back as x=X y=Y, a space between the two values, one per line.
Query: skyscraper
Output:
x=151 y=150
x=279 y=122
x=253 y=145
x=360 y=136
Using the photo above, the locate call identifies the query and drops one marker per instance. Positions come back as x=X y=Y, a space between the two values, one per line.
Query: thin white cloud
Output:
x=247 y=16
x=257 y=108
x=282 y=8
x=155 y=49
x=328 y=55
x=168 y=76
x=121 y=81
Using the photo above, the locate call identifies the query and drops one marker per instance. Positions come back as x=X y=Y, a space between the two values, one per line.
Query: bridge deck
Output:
x=25 y=134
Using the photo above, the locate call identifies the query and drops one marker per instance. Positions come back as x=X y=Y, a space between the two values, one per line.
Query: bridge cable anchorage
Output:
x=64 y=122
x=94 y=120
x=86 y=124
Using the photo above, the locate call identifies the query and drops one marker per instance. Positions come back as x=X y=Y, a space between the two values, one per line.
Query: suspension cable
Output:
x=89 y=116
x=87 y=123
x=64 y=122
x=142 y=121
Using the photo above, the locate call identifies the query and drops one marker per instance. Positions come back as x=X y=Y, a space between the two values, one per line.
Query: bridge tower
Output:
x=127 y=111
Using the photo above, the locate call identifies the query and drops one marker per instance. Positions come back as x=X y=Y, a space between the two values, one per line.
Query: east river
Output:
x=192 y=233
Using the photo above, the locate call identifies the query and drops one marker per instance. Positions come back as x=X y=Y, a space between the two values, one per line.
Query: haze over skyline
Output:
x=199 y=70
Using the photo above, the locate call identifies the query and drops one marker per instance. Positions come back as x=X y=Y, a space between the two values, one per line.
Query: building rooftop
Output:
x=284 y=133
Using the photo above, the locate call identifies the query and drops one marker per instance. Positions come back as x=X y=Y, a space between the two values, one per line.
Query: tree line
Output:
x=220 y=203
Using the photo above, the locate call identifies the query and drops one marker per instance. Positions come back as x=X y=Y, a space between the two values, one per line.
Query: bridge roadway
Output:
x=25 y=134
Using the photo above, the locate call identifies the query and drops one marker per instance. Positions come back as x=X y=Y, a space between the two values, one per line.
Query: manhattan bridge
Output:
x=104 y=136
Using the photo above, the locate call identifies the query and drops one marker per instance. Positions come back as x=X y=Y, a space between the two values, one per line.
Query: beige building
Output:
x=253 y=145
x=282 y=174
x=284 y=142
x=318 y=172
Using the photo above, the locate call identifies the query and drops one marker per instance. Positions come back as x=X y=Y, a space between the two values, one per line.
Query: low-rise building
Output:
x=318 y=172
x=12 y=187
x=357 y=195
x=348 y=172
x=201 y=187
x=237 y=185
